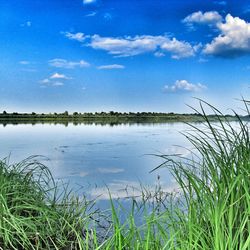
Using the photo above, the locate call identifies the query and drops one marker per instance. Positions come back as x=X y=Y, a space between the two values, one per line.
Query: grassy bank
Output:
x=210 y=211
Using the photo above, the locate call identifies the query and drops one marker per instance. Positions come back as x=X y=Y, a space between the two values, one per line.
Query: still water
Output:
x=94 y=157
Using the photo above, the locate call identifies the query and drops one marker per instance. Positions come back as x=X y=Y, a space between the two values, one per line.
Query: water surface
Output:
x=95 y=157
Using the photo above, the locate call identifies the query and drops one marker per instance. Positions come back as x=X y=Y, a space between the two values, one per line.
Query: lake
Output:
x=93 y=157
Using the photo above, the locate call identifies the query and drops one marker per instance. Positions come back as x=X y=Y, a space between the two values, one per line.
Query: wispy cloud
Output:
x=55 y=80
x=184 y=86
x=48 y=83
x=223 y=3
x=91 y=14
x=111 y=66
x=107 y=16
x=24 y=62
x=59 y=76
x=45 y=81
x=57 y=84
x=233 y=40
x=26 y=24
x=80 y=37
x=246 y=10
x=62 y=63
x=88 y=1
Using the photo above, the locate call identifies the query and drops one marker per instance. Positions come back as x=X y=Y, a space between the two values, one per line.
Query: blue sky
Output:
x=102 y=55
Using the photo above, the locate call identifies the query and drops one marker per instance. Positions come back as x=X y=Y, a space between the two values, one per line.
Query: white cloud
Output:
x=128 y=46
x=59 y=76
x=131 y=46
x=57 y=84
x=233 y=40
x=62 y=63
x=159 y=54
x=24 y=62
x=210 y=17
x=110 y=170
x=111 y=66
x=184 y=86
x=91 y=14
x=45 y=81
x=80 y=37
x=179 y=49
x=88 y=1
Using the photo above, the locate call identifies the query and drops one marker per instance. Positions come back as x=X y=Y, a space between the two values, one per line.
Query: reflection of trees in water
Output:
x=111 y=118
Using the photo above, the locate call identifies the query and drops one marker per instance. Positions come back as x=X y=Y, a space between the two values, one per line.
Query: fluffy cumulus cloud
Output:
x=131 y=46
x=233 y=40
x=62 y=63
x=209 y=17
x=80 y=37
x=111 y=66
x=179 y=49
x=184 y=86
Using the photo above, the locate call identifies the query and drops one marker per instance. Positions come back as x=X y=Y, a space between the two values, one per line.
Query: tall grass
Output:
x=210 y=211
x=34 y=214
x=216 y=187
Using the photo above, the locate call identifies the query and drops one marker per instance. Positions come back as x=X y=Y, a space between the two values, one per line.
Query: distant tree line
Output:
x=87 y=114
x=111 y=117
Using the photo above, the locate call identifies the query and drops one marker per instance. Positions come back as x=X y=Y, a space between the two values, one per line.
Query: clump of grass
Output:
x=34 y=214
x=216 y=187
